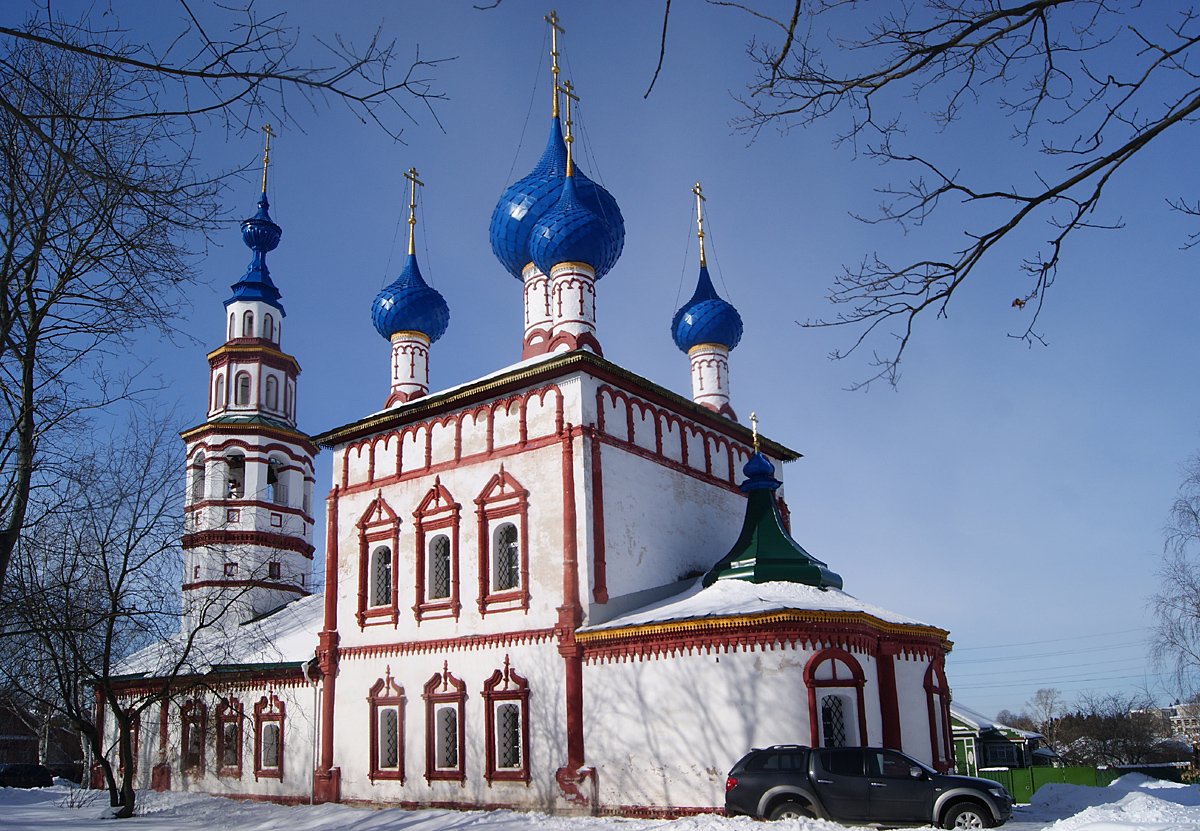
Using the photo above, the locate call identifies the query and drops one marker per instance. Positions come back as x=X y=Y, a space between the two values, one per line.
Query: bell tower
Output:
x=248 y=518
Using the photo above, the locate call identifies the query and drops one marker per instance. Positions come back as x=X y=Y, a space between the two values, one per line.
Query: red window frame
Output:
x=937 y=695
x=268 y=710
x=505 y=686
x=230 y=711
x=193 y=715
x=384 y=694
x=438 y=512
x=815 y=685
x=379 y=525
x=444 y=688
x=503 y=498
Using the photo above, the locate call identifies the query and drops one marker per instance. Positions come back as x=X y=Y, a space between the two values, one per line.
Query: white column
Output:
x=410 y=367
x=710 y=377
x=538 y=320
x=573 y=307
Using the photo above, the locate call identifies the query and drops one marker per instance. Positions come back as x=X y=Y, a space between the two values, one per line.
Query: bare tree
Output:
x=1086 y=86
x=1044 y=709
x=101 y=198
x=1176 y=604
x=1116 y=729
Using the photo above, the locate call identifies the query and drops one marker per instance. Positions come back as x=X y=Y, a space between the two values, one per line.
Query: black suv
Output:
x=860 y=785
x=17 y=775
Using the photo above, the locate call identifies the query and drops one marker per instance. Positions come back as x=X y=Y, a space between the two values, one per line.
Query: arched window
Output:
x=193 y=715
x=439 y=567
x=937 y=693
x=268 y=738
x=219 y=393
x=506 y=717
x=198 y=477
x=229 y=738
x=386 y=698
x=836 y=710
x=445 y=696
x=287 y=400
x=235 y=485
x=241 y=390
x=272 y=392
x=231 y=325
x=248 y=324
x=506 y=558
x=381 y=576
x=307 y=506
x=268 y=327
x=277 y=482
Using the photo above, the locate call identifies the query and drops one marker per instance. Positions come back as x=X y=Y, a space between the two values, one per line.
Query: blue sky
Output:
x=1013 y=495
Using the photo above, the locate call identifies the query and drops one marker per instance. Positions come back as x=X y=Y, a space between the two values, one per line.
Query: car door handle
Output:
x=878 y=785
x=824 y=781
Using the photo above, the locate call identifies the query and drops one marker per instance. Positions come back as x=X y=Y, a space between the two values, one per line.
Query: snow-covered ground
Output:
x=1132 y=802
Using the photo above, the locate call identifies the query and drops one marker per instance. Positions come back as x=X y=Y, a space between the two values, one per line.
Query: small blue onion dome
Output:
x=527 y=200
x=759 y=473
x=409 y=304
x=706 y=318
x=261 y=235
x=571 y=233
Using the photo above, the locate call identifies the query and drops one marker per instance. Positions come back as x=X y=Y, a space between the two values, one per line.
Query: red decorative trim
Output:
x=536 y=342
x=223 y=430
x=250 y=503
x=937 y=697
x=378 y=524
x=663 y=419
x=398 y=398
x=505 y=687
x=723 y=410
x=599 y=559
x=570 y=776
x=245 y=584
x=440 y=645
x=785 y=513
x=386 y=693
x=568 y=342
x=256 y=351
x=193 y=716
x=236 y=680
x=502 y=496
x=268 y=711
x=219 y=538
x=229 y=711
x=437 y=511
x=889 y=699
x=856 y=682
x=327 y=780
x=444 y=688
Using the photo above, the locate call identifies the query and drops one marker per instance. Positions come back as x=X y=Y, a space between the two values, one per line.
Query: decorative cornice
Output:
x=467 y=642
x=557 y=366
x=254 y=349
x=263 y=539
x=285 y=434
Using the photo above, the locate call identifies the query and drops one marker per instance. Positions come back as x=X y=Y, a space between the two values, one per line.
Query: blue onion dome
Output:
x=759 y=473
x=571 y=233
x=527 y=200
x=409 y=304
x=706 y=318
x=261 y=235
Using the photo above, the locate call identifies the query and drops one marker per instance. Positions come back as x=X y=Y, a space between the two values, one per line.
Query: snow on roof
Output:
x=286 y=635
x=980 y=722
x=733 y=598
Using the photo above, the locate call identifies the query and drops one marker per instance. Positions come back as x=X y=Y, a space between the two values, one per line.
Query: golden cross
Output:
x=754 y=429
x=699 y=220
x=568 y=90
x=411 y=176
x=555 y=29
x=268 y=132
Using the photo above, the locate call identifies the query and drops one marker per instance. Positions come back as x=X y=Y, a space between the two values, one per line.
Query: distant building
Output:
x=981 y=742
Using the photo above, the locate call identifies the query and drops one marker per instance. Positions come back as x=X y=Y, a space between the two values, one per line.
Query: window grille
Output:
x=270 y=746
x=381 y=577
x=833 y=721
x=230 y=751
x=439 y=568
x=447 y=738
x=508 y=558
x=389 y=739
x=508 y=736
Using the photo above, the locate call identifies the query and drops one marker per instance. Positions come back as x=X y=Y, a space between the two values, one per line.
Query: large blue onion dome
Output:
x=409 y=304
x=572 y=232
x=527 y=200
x=706 y=318
x=260 y=235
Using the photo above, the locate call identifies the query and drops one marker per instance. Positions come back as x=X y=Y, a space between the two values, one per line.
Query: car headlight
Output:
x=999 y=793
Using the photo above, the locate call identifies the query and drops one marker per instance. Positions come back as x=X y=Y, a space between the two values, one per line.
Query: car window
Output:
x=887 y=764
x=846 y=761
x=776 y=761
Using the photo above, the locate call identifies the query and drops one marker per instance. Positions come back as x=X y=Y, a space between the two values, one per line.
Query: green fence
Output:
x=1022 y=782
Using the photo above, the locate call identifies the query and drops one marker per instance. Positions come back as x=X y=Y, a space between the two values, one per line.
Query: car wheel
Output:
x=967 y=815
x=790 y=810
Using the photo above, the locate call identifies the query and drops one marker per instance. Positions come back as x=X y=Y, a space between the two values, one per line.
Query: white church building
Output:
x=558 y=587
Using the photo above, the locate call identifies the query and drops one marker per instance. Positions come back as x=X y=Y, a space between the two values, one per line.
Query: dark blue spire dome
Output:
x=574 y=232
x=409 y=304
x=261 y=235
x=706 y=318
x=759 y=473
x=527 y=200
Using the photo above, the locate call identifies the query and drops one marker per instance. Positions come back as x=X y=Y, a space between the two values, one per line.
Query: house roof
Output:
x=981 y=723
